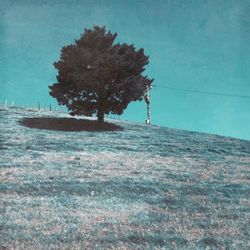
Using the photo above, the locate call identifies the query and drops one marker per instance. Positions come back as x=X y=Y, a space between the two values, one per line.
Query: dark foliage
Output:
x=96 y=76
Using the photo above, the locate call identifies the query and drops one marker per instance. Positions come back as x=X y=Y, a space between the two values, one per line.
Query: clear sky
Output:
x=194 y=45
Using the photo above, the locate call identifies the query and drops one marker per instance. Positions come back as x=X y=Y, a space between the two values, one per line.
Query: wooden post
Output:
x=147 y=100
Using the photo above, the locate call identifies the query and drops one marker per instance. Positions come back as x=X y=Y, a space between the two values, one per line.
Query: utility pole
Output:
x=38 y=105
x=147 y=100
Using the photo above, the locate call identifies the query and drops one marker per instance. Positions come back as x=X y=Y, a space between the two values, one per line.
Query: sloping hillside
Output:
x=138 y=188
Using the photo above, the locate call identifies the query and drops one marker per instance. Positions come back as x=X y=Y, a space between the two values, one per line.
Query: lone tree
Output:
x=96 y=76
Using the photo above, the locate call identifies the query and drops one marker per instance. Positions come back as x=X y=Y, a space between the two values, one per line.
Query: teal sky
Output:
x=197 y=45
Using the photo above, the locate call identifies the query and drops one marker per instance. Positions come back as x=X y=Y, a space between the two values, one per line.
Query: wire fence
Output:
x=38 y=106
x=45 y=107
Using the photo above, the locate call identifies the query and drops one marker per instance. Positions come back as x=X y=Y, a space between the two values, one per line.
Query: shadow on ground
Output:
x=67 y=124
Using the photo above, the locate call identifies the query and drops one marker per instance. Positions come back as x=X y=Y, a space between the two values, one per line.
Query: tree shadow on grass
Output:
x=67 y=124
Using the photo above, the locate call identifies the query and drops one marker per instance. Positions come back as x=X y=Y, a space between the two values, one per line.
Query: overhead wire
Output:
x=201 y=91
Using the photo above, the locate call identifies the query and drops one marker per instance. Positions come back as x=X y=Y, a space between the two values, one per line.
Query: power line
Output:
x=202 y=92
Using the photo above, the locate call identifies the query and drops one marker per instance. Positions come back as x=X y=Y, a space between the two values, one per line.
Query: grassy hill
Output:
x=138 y=187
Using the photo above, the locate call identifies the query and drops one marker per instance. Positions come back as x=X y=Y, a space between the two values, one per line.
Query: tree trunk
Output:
x=100 y=116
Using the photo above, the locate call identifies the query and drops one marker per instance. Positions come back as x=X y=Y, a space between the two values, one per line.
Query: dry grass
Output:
x=140 y=188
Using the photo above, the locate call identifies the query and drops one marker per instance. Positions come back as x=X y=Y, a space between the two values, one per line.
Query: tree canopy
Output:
x=96 y=76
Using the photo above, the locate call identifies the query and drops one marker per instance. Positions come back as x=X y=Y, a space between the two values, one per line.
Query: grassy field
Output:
x=137 y=188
